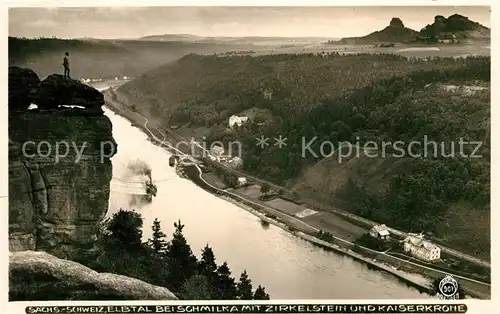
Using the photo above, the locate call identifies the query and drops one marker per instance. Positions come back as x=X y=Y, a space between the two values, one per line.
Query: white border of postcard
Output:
x=474 y=306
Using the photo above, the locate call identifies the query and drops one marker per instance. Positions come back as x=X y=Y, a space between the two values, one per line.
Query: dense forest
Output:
x=350 y=98
x=207 y=90
x=167 y=263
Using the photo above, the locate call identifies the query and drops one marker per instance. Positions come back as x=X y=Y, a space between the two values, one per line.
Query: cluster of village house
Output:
x=413 y=244
x=235 y=162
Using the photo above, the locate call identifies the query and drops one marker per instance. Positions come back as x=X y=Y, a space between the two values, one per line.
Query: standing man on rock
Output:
x=66 y=65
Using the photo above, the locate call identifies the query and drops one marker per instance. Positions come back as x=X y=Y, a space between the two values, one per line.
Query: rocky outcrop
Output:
x=41 y=276
x=59 y=171
x=57 y=91
x=396 y=22
x=22 y=83
x=394 y=32
x=456 y=26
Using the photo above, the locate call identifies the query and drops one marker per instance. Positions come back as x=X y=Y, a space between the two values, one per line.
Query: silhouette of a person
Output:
x=66 y=65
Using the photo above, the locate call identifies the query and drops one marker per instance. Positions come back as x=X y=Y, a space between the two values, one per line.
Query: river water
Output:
x=288 y=267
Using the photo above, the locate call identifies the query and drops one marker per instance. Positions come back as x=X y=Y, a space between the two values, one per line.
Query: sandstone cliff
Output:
x=59 y=179
x=59 y=165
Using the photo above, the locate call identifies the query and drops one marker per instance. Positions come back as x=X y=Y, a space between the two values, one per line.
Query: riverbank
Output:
x=422 y=284
x=298 y=226
x=413 y=274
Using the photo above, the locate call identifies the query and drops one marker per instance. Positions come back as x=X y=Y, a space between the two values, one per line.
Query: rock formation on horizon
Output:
x=394 y=32
x=456 y=26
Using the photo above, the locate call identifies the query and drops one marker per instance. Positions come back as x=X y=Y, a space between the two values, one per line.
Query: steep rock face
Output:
x=41 y=276
x=59 y=175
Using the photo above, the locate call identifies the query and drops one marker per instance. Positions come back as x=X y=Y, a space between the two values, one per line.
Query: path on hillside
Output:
x=277 y=187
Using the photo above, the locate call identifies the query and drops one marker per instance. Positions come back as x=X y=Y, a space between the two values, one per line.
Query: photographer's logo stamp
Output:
x=448 y=289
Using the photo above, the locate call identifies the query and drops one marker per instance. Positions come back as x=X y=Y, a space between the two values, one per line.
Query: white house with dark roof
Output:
x=380 y=232
x=238 y=120
x=242 y=181
x=216 y=150
x=420 y=248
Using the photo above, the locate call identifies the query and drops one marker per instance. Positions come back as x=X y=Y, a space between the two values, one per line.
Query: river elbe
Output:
x=288 y=267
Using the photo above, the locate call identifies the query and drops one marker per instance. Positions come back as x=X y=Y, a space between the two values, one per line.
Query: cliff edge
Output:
x=41 y=276
x=60 y=145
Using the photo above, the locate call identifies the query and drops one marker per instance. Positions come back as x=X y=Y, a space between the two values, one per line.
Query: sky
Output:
x=134 y=22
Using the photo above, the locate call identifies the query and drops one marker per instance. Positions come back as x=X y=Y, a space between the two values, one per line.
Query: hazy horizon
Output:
x=136 y=22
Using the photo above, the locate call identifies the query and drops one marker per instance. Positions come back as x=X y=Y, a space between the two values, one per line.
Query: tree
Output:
x=119 y=250
x=182 y=262
x=207 y=265
x=196 y=287
x=265 y=188
x=244 y=287
x=125 y=226
x=158 y=241
x=260 y=294
x=231 y=180
x=226 y=288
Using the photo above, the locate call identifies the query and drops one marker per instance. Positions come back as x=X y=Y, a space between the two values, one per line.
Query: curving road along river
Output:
x=288 y=267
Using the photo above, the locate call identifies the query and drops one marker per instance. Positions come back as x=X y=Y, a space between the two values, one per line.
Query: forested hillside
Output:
x=206 y=90
x=348 y=98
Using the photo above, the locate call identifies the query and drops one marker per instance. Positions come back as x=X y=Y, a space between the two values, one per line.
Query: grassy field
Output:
x=335 y=225
x=251 y=191
x=325 y=221
x=215 y=180
x=286 y=206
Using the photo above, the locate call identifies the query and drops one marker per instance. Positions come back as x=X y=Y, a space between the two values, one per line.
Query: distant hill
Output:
x=454 y=27
x=94 y=58
x=172 y=37
x=395 y=32
x=244 y=40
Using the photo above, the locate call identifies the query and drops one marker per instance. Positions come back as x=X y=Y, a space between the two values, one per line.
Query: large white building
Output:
x=237 y=120
x=420 y=248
